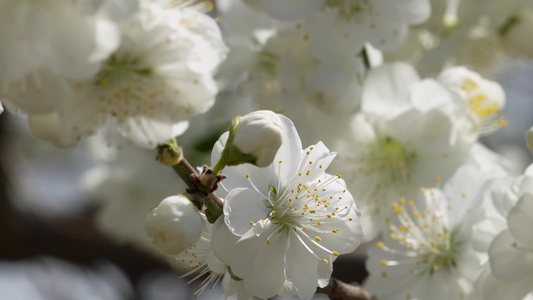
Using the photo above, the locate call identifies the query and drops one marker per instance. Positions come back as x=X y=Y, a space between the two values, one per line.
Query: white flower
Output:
x=158 y=79
x=285 y=224
x=47 y=42
x=64 y=37
x=407 y=136
x=199 y=260
x=174 y=224
x=382 y=159
x=503 y=195
x=393 y=88
x=480 y=101
x=509 y=272
x=466 y=33
x=316 y=94
x=511 y=252
x=350 y=23
x=428 y=254
x=257 y=135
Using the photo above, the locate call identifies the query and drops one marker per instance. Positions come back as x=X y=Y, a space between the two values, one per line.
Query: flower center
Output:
x=118 y=68
x=348 y=8
x=443 y=253
x=282 y=210
x=303 y=201
x=268 y=63
x=424 y=234
x=389 y=157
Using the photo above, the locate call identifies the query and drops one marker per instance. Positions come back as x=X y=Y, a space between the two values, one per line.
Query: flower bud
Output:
x=254 y=138
x=174 y=225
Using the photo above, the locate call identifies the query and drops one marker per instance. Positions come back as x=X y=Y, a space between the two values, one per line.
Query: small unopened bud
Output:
x=254 y=138
x=169 y=154
x=174 y=225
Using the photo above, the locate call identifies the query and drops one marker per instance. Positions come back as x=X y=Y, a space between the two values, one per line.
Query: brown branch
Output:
x=338 y=290
x=201 y=187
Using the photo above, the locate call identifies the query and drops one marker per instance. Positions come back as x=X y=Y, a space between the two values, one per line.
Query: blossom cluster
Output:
x=392 y=88
x=142 y=68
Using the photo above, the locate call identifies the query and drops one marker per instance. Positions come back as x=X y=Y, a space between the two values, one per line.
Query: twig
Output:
x=338 y=290
x=201 y=187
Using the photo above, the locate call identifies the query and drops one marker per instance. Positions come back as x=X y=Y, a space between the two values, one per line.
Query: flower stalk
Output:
x=201 y=187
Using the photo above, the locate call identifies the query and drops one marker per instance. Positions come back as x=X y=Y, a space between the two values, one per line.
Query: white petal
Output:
x=301 y=268
x=291 y=10
x=490 y=288
x=429 y=94
x=16 y=57
x=222 y=240
x=507 y=262
x=287 y=153
x=242 y=207
x=260 y=177
x=72 y=44
x=405 y=11
x=149 y=132
x=387 y=88
x=317 y=161
x=348 y=38
x=39 y=92
x=484 y=232
x=46 y=127
x=261 y=265
x=520 y=220
x=386 y=35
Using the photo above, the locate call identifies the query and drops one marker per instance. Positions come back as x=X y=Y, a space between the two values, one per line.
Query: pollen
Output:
x=318 y=239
